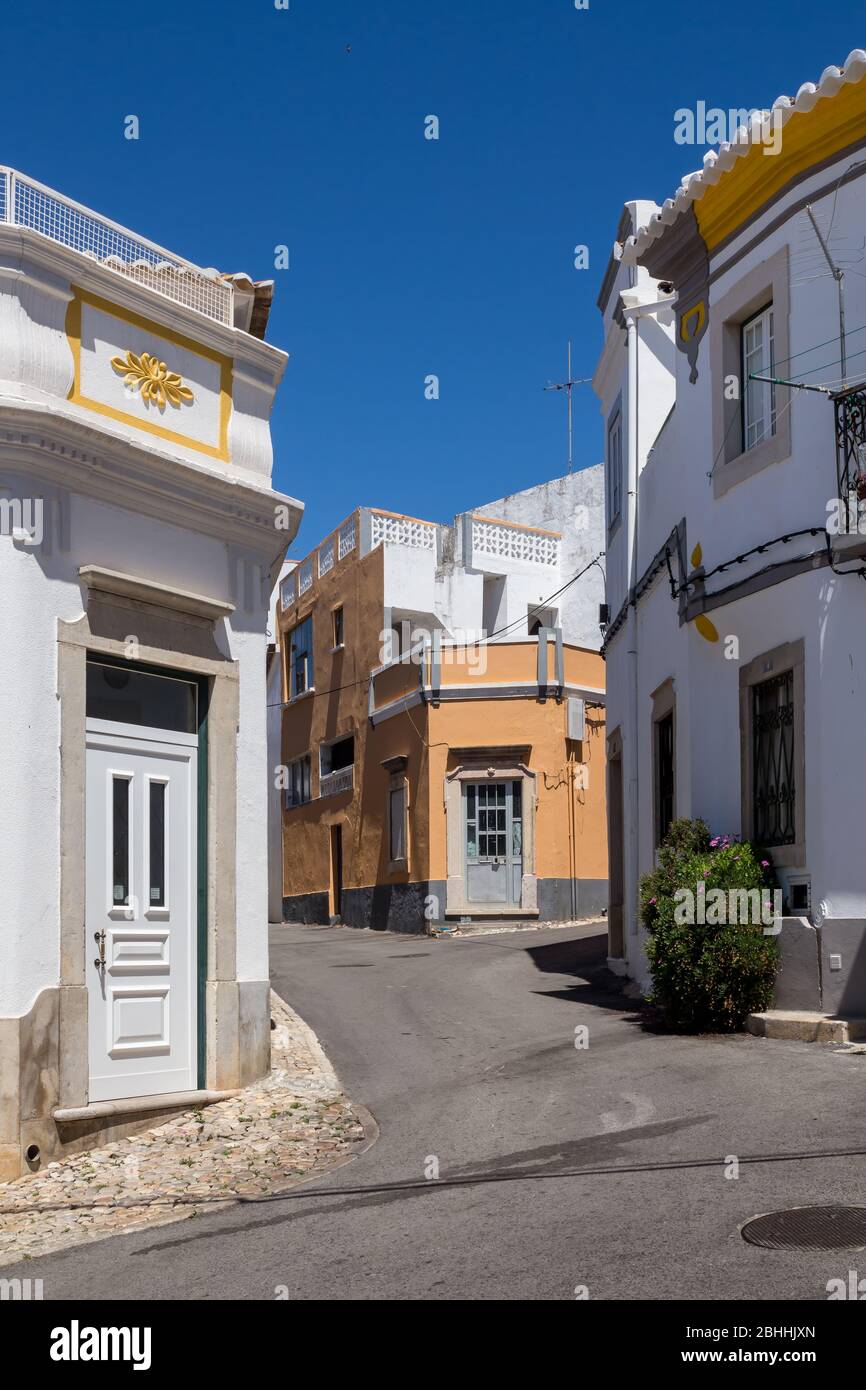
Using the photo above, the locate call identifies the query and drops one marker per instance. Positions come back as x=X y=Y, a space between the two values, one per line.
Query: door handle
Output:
x=99 y=938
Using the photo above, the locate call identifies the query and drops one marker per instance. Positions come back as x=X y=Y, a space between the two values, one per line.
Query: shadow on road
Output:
x=585 y=959
x=564 y=1158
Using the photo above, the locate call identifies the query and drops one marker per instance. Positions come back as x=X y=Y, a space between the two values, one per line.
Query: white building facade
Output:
x=139 y=544
x=502 y=570
x=735 y=650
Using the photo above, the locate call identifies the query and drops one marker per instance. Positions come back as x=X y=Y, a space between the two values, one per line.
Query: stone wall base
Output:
x=43 y=1068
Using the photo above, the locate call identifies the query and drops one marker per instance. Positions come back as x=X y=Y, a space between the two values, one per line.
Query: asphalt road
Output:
x=464 y=1051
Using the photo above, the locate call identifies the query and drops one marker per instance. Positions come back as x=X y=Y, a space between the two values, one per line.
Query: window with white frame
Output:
x=614 y=466
x=298 y=790
x=300 y=658
x=759 y=397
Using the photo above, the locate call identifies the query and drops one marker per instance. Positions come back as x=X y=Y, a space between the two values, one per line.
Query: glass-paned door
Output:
x=493 y=842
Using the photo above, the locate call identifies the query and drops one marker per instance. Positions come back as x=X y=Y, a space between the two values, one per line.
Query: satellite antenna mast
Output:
x=568 y=386
x=839 y=276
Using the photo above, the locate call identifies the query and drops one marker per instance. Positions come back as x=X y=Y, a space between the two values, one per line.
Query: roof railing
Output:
x=28 y=204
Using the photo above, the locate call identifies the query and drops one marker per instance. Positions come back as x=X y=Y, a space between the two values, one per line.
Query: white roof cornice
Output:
x=72 y=455
x=718 y=161
x=76 y=269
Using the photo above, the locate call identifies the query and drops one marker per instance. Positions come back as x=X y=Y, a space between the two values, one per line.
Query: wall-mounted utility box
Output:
x=576 y=716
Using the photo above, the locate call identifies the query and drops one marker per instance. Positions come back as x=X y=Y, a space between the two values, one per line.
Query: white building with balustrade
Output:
x=425 y=665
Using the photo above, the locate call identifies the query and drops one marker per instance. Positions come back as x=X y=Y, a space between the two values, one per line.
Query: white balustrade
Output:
x=347 y=538
x=333 y=783
x=402 y=530
x=518 y=543
x=326 y=556
x=288 y=590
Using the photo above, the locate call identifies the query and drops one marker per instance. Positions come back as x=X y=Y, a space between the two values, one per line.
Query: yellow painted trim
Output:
x=73 y=334
x=698 y=311
x=706 y=628
x=756 y=179
x=516 y=525
x=401 y=516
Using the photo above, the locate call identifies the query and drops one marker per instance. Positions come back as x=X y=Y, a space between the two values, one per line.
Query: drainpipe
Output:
x=631 y=553
x=633 y=311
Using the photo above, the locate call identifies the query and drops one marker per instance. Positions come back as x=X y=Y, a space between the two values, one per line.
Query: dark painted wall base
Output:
x=798 y=975
x=408 y=907
x=822 y=968
x=390 y=906
x=557 y=902
x=313 y=909
x=843 y=966
x=387 y=907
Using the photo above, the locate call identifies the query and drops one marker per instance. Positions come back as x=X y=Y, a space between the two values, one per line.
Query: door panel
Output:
x=141 y=894
x=487 y=883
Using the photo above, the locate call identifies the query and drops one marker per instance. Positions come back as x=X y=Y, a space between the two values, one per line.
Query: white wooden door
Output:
x=141 y=917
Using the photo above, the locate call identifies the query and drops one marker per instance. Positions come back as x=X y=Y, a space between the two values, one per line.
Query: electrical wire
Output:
x=484 y=641
x=835 y=362
x=849 y=333
x=736 y=420
x=755 y=550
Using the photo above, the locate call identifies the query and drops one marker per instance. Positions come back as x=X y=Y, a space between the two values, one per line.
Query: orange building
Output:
x=432 y=773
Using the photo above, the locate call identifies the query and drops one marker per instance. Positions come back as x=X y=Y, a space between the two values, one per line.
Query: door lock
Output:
x=99 y=938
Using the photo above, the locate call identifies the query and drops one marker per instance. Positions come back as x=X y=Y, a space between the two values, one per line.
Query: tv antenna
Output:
x=568 y=386
x=839 y=276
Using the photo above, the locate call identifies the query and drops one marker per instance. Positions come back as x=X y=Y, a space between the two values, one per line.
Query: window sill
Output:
x=398 y=866
x=787 y=856
x=776 y=449
x=340 y=647
x=296 y=699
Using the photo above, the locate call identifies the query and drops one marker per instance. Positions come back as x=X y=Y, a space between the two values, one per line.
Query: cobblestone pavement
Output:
x=480 y=928
x=295 y=1124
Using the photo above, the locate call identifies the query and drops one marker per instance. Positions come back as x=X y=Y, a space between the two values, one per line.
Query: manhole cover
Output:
x=809 y=1228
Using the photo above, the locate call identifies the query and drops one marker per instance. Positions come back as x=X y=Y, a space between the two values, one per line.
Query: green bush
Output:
x=707 y=976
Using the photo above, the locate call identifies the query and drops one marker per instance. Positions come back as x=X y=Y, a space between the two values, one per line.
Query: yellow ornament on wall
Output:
x=152 y=379
x=707 y=629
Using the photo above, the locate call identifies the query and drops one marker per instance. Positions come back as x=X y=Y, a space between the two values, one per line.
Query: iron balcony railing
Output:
x=850 y=409
x=25 y=203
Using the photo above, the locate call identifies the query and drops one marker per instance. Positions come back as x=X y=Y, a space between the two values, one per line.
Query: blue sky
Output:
x=408 y=257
